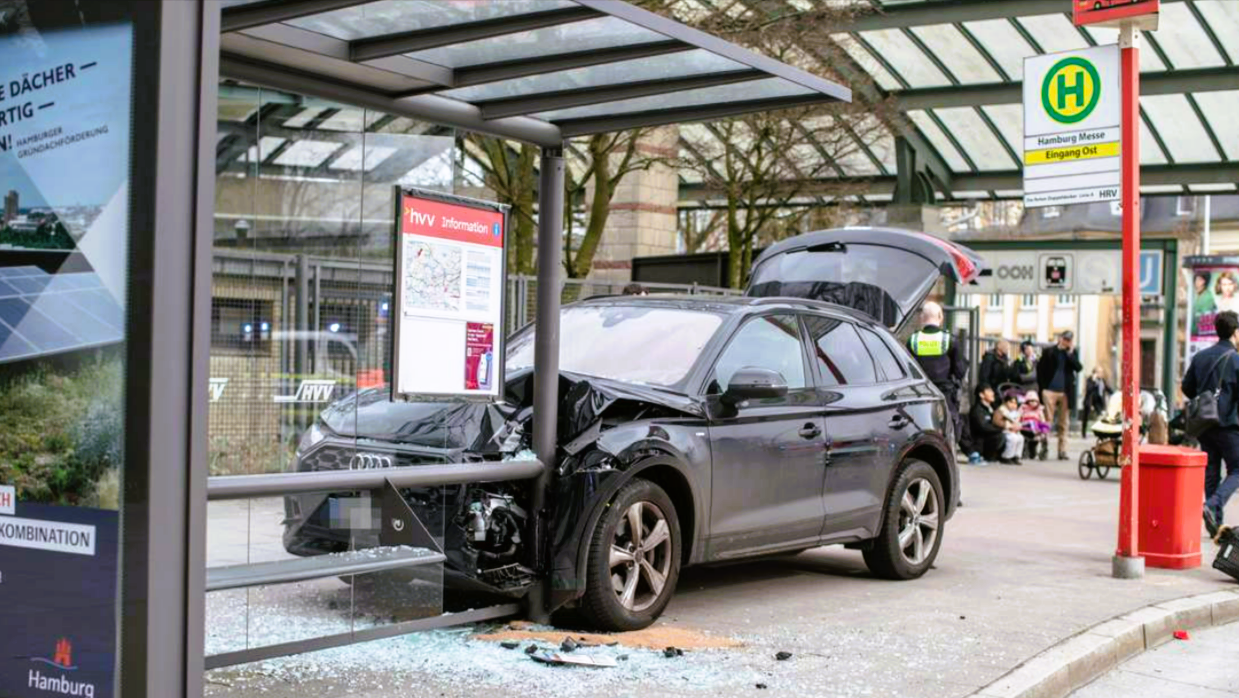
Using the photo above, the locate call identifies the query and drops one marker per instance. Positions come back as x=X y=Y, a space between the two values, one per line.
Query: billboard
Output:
x=1214 y=288
x=66 y=93
x=449 y=297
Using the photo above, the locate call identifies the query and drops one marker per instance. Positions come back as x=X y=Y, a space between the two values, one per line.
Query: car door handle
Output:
x=810 y=431
x=898 y=422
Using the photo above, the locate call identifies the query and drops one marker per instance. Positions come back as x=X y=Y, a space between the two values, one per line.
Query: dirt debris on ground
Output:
x=657 y=637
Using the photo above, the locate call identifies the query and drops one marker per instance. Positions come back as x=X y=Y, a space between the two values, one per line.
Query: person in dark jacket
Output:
x=996 y=366
x=1056 y=374
x=1214 y=369
x=1096 y=393
x=987 y=435
x=940 y=358
x=1024 y=370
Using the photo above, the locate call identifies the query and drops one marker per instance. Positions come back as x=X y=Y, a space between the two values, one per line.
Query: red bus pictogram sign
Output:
x=1111 y=12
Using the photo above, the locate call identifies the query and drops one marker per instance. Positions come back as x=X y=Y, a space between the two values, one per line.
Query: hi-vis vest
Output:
x=929 y=344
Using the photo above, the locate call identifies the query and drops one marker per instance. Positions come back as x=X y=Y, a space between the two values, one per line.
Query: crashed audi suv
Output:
x=692 y=430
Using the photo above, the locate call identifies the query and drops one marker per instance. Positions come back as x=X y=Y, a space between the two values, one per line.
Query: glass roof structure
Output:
x=539 y=71
x=954 y=69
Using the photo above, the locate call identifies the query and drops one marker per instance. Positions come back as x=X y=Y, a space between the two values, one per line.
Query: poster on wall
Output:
x=65 y=113
x=1214 y=288
x=449 y=297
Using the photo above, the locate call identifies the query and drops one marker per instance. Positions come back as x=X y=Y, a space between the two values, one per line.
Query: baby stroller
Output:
x=1109 y=432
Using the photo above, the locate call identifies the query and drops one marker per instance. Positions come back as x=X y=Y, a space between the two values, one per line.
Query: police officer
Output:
x=939 y=358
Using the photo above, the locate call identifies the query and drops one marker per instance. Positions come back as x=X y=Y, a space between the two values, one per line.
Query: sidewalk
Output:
x=1203 y=667
x=1025 y=563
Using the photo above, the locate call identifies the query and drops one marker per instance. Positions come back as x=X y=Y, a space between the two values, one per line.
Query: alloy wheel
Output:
x=640 y=556
x=918 y=521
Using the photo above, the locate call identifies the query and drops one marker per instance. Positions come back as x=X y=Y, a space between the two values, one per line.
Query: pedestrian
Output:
x=940 y=358
x=996 y=365
x=1056 y=374
x=1007 y=418
x=1214 y=369
x=988 y=436
x=635 y=289
x=1024 y=370
x=1096 y=393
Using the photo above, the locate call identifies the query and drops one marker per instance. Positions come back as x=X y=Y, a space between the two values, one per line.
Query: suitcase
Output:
x=1227 y=559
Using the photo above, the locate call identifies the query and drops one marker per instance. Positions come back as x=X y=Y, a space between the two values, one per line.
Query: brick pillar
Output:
x=642 y=222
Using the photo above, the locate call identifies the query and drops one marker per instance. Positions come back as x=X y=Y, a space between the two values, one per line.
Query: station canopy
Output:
x=954 y=70
x=539 y=71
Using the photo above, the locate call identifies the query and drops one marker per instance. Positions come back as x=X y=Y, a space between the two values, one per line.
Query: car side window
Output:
x=841 y=356
x=887 y=362
x=769 y=341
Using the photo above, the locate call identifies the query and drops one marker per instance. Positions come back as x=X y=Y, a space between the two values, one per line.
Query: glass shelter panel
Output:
x=300 y=347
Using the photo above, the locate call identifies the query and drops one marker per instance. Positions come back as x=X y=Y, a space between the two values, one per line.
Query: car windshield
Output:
x=632 y=343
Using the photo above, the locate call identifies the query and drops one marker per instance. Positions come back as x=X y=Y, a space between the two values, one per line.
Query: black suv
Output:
x=692 y=430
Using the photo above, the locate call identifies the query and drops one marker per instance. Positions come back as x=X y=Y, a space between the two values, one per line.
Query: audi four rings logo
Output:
x=369 y=461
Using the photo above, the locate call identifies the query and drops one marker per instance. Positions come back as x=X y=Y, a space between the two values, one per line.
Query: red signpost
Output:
x=1130 y=16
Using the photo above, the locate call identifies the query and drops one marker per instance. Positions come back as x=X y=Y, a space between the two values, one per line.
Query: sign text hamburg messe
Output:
x=1072 y=127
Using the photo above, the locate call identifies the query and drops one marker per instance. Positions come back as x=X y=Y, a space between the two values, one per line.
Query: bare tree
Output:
x=508 y=170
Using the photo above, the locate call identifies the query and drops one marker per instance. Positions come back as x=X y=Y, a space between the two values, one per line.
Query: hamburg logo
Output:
x=63 y=657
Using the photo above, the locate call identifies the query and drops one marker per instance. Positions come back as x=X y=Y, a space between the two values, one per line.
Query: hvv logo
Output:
x=310 y=391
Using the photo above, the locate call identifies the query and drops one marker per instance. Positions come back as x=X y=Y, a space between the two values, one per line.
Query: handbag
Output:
x=1202 y=411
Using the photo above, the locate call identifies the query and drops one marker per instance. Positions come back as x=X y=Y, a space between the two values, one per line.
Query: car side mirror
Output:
x=754 y=383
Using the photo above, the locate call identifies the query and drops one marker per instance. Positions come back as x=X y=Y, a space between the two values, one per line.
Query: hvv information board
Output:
x=449 y=297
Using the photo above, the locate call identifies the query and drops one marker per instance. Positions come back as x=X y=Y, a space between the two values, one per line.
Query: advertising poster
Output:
x=65 y=112
x=449 y=296
x=1215 y=288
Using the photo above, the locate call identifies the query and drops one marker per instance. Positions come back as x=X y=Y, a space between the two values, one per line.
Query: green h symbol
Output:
x=1076 y=88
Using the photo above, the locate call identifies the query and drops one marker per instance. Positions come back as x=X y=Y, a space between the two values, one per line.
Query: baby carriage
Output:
x=1109 y=432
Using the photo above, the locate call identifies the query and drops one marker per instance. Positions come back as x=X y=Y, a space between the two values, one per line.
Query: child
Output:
x=1032 y=415
x=1008 y=417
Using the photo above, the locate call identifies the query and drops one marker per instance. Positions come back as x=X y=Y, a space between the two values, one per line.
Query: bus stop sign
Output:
x=1109 y=13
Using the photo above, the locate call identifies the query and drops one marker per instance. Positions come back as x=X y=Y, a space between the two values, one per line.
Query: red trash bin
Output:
x=1172 y=495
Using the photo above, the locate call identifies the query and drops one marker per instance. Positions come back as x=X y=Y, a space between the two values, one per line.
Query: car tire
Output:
x=622 y=590
x=914 y=508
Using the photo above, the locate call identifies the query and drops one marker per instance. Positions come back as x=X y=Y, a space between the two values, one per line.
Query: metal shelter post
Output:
x=1127 y=560
x=546 y=356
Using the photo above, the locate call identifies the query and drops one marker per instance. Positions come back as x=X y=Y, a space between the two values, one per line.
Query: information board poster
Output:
x=66 y=73
x=1215 y=287
x=449 y=310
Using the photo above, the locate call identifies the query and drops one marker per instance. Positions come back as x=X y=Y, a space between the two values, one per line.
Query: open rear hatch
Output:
x=884 y=272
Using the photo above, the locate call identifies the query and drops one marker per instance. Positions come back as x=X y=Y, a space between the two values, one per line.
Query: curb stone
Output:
x=1082 y=658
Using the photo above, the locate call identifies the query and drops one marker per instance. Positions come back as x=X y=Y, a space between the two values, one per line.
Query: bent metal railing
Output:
x=405 y=540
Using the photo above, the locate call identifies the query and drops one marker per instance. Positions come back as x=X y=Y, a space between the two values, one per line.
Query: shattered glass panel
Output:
x=956 y=53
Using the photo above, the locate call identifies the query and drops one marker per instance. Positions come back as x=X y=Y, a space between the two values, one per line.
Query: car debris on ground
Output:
x=550 y=657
